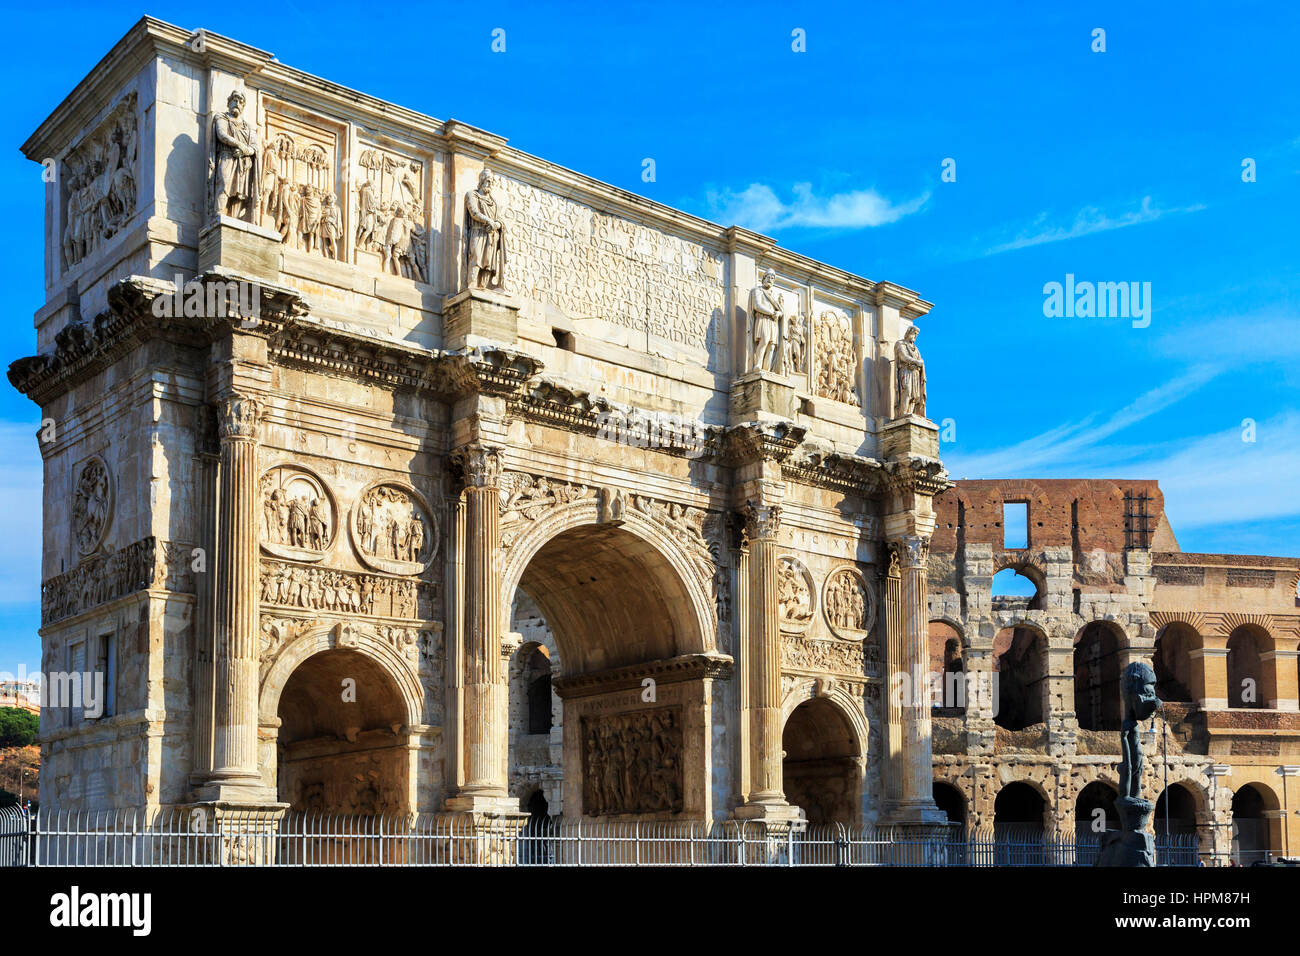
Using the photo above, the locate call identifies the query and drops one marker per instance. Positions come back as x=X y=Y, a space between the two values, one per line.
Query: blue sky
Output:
x=1117 y=166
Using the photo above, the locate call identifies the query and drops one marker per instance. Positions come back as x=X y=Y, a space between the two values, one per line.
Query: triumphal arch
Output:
x=389 y=468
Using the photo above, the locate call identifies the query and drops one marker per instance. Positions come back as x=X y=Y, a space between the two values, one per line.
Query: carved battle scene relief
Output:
x=148 y=563
x=299 y=516
x=835 y=357
x=394 y=529
x=822 y=656
x=101 y=183
x=92 y=506
x=298 y=185
x=391 y=230
x=848 y=605
x=632 y=763
x=587 y=264
x=794 y=594
x=322 y=589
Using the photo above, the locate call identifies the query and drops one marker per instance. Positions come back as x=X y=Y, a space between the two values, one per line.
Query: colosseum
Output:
x=388 y=468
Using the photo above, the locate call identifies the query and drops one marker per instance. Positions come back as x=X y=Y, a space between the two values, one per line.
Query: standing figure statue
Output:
x=910 y=373
x=1140 y=703
x=1131 y=845
x=485 y=250
x=234 y=163
x=767 y=309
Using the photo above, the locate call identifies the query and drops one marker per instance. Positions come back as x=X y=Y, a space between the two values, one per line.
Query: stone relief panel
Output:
x=795 y=594
x=100 y=177
x=587 y=264
x=632 y=763
x=147 y=563
x=299 y=182
x=391 y=215
x=322 y=589
x=822 y=656
x=299 y=514
x=848 y=604
x=278 y=632
x=835 y=355
x=92 y=505
x=394 y=529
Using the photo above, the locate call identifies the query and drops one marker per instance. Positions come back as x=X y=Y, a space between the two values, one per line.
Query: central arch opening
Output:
x=605 y=606
x=343 y=743
x=821 y=765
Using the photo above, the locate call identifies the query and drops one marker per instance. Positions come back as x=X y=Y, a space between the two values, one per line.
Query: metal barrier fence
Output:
x=175 y=837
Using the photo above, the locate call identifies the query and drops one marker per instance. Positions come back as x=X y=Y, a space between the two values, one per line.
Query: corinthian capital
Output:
x=480 y=464
x=762 y=521
x=913 y=550
x=238 y=417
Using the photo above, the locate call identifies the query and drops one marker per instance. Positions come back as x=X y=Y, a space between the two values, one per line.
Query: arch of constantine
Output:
x=388 y=468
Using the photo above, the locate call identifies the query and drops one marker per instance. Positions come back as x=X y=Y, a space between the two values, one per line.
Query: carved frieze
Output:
x=100 y=177
x=148 y=563
x=835 y=358
x=323 y=589
x=92 y=505
x=848 y=604
x=394 y=529
x=632 y=763
x=795 y=594
x=822 y=656
x=390 y=214
x=299 y=183
x=299 y=514
x=585 y=263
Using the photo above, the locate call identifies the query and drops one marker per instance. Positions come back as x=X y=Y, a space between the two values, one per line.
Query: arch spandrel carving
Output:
x=838 y=692
x=522 y=543
x=316 y=637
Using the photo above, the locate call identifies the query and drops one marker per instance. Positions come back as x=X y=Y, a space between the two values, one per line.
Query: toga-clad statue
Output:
x=909 y=370
x=234 y=163
x=485 y=250
x=767 y=309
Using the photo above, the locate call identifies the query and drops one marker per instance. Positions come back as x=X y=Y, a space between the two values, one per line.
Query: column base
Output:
x=774 y=814
x=485 y=805
x=237 y=791
x=919 y=813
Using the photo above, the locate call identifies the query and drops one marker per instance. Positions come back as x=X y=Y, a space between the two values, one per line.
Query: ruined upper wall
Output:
x=368 y=202
x=1089 y=514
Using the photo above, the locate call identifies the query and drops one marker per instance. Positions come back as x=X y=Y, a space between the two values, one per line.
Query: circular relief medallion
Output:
x=92 y=505
x=299 y=516
x=394 y=529
x=795 y=594
x=847 y=603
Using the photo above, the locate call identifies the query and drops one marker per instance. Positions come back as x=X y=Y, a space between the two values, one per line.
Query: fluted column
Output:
x=235 y=776
x=484 y=730
x=762 y=523
x=205 y=506
x=915 y=779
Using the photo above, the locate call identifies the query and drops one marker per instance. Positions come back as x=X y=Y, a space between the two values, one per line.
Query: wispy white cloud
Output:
x=1087 y=221
x=758 y=207
x=1071 y=446
x=1221 y=479
x=21 y=475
